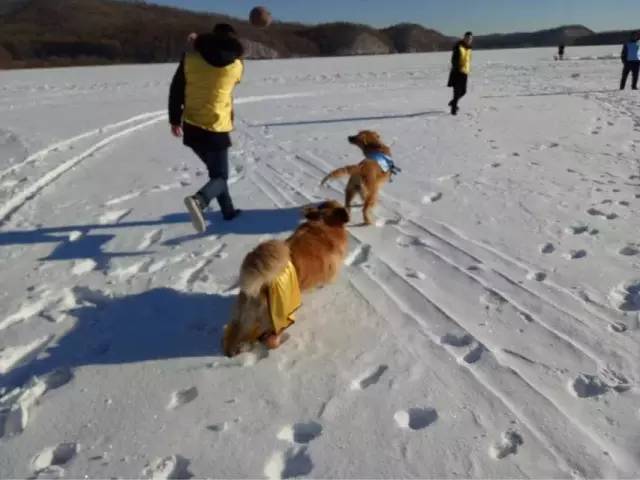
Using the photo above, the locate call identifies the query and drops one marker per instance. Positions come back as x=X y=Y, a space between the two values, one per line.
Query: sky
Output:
x=451 y=17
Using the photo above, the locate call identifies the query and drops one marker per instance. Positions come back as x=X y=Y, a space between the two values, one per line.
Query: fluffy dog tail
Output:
x=342 y=172
x=262 y=266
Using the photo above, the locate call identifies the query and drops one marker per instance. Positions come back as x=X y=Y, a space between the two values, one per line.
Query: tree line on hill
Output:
x=40 y=33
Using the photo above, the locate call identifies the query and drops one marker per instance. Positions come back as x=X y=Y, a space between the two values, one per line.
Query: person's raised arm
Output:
x=176 y=97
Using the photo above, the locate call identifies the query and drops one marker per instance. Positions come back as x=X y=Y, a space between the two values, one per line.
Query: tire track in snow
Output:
x=21 y=198
x=70 y=141
x=498 y=389
x=601 y=317
x=32 y=190
x=366 y=294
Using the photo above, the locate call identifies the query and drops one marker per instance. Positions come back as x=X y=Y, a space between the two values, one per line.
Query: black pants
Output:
x=632 y=68
x=217 y=162
x=458 y=81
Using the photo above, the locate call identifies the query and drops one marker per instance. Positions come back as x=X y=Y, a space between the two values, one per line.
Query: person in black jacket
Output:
x=631 y=60
x=201 y=111
x=460 y=69
x=561 y=51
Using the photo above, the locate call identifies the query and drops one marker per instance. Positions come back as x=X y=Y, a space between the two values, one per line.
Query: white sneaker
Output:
x=197 y=218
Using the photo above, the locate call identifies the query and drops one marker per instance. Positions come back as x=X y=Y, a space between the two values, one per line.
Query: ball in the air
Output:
x=260 y=17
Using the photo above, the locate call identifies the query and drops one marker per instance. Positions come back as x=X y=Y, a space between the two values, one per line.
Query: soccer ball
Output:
x=260 y=17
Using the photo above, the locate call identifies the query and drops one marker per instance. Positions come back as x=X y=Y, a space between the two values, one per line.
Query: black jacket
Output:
x=218 y=51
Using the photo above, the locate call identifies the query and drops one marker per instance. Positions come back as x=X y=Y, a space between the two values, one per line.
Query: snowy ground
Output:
x=488 y=327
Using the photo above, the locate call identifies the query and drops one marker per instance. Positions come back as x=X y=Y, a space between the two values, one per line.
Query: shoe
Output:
x=195 y=211
x=235 y=214
x=454 y=110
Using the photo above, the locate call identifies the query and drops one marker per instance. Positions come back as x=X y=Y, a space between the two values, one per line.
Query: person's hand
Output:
x=176 y=131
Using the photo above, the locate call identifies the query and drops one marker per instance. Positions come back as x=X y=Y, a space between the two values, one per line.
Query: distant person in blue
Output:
x=631 y=60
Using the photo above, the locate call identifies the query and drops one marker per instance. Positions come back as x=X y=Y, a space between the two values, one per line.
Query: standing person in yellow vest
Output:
x=201 y=111
x=460 y=69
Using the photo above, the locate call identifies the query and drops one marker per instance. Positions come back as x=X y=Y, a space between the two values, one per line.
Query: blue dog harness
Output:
x=385 y=162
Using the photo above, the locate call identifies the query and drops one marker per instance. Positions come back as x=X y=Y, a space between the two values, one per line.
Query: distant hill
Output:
x=81 y=32
x=410 y=37
x=606 y=38
x=566 y=35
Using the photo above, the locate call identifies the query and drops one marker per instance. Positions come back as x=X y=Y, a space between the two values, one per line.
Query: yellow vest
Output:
x=284 y=298
x=209 y=93
x=465 y=59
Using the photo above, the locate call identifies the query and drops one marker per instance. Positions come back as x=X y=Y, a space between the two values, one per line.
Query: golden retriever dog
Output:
x=316 y=250
x=367 y=177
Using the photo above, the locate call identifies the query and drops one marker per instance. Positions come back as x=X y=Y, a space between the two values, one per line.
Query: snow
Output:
x=487 y=326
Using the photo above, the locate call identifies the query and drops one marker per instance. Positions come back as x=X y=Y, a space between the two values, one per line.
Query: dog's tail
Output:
x=341 y=172
x=263 y=265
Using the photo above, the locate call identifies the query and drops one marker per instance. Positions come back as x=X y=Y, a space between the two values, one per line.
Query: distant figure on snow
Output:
x=561 y=52
x=201 y=111
x=460 y=69
x=631 y=59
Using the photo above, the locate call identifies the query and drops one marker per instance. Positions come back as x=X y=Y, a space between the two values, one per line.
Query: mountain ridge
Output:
x=81 y=32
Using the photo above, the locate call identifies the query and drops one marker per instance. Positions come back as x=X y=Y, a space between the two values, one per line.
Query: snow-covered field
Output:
x=487 y=327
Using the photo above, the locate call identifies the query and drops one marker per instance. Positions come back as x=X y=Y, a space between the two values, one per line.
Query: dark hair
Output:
x=224 y=29
x=468 y=34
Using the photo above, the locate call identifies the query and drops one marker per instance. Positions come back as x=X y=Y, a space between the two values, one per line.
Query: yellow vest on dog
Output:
x=284 y=298
x=209 y=93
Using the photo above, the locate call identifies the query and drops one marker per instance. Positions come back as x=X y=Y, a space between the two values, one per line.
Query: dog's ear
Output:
x=311 y=213
x=373 y=140
x=337 y=217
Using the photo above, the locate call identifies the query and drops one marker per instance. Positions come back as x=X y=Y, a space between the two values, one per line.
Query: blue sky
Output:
x=449 y=16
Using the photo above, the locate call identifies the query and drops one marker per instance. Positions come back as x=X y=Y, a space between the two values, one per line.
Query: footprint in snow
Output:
x=618 y=327
x=626 y=297
x=431 y=198
x=577 y=230
x=575 y=254
x=382 y=222
x=17 y=407
x=369 y=378
x=300 y=433
x=49 y=463
x=174 y=466
x=359 y=256
x=182 y=397
x=547 y=248
x=457 y=340
x=586 y=386
x=416 y=418
x=474 y=355
x=411 y=273
x=597 y=213
x=537 y=276
x=492 y=300
x=150 y=239
x=630 y=250
x=509 y=444
x=406 y=241
x=295 y=461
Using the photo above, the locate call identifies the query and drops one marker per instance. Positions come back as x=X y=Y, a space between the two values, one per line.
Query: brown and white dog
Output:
x=367 y=177
x=316 y=249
